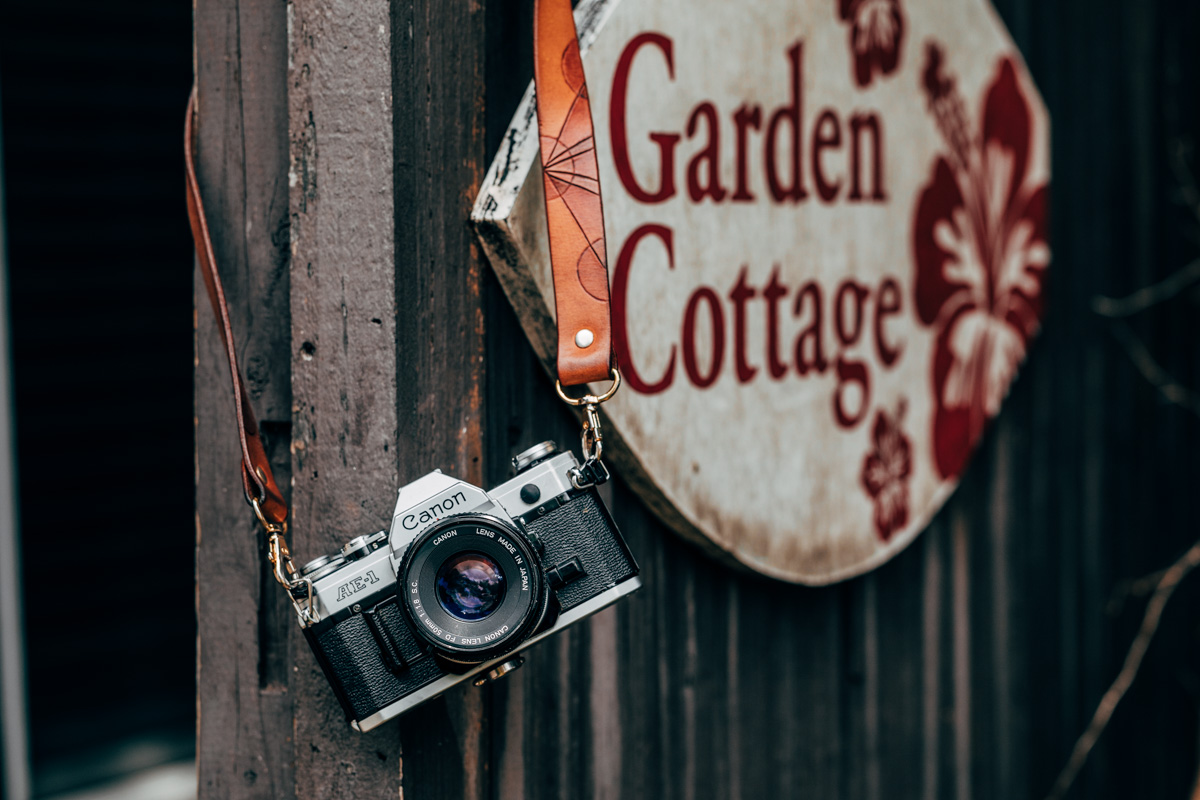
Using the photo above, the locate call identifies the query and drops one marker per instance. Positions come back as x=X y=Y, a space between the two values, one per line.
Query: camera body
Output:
x=462 y=581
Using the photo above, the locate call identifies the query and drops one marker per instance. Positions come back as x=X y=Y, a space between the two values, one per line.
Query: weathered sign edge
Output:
x=506 y=175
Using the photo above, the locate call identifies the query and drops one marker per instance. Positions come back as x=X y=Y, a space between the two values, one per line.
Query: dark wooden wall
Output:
x=339 y=175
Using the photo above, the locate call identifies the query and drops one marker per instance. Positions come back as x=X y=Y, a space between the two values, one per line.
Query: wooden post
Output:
x=244 y=698
x=344 y=354
x=373 y=338
x=437 y=81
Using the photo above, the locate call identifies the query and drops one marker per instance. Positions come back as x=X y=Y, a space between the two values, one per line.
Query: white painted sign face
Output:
x=826 y=226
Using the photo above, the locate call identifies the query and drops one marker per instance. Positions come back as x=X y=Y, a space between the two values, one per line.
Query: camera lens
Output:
x=470 y=586
x=473 y=587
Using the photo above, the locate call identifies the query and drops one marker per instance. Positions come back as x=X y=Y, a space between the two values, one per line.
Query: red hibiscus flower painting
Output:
x=886 y=471
x=876 y=30
x=981 y=254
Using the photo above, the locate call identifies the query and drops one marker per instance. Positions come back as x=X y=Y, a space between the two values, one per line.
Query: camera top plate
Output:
x=429 y=499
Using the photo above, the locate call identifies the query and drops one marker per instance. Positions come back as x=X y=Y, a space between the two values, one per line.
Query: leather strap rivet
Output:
x=584 y=339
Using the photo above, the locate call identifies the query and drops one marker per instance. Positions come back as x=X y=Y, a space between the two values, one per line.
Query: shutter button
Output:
x=530 y=493
x=500 y=671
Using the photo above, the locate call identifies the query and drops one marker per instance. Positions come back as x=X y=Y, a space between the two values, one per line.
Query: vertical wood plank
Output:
x=538 y=728
x=1002 y=666
x=243 y=700
x=853 y=703
x=961 y=669
x=604 y=709
x=343 y=343
x=899 y=724
x=733 y=707
x=931 y=640
x=438 y=54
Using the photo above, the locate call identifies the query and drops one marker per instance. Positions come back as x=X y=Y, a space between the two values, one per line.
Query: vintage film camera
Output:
x=464 y=579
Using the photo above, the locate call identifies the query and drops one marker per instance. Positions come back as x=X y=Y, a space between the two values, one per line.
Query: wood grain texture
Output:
x=344 y=367
x=244 y=747
x=964 y=668
x=437 y=81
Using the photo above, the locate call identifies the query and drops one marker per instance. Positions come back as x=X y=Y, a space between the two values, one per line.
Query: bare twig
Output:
x=1133 y=587
x=1133 y=661
x=1158 y=377
x=1149 y=296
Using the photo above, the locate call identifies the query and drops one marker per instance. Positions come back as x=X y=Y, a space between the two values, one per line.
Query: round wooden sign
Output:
x=827 y=250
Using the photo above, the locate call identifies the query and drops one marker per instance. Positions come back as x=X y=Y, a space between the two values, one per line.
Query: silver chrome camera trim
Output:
x=428 y=500
x=550 y=476
x=437 y=687
x=366 y=575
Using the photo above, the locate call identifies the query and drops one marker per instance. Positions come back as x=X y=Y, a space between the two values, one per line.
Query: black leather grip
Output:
x=582 y=528
x=367 y=670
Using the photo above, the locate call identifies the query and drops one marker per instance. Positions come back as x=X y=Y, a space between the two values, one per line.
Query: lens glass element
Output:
x=470 y=586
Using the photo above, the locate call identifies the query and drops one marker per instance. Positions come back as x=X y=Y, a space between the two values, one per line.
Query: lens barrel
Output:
x=472 y=586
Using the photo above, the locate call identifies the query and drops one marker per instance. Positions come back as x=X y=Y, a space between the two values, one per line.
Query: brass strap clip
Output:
x=592 y=472
x=281 y=565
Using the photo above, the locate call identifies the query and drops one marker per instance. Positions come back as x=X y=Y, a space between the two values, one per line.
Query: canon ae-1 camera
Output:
x=464 y=578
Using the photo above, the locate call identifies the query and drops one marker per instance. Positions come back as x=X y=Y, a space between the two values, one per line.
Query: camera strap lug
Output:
x=592 y=472
x=300 y=590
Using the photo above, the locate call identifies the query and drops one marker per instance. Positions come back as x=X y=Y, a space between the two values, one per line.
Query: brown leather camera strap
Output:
x=257 y=479
x=574 y=213
x=575 y=220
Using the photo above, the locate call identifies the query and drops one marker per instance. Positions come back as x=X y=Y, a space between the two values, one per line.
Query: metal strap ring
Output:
x=590 y=399
x=268 y=526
